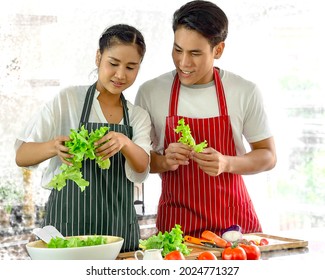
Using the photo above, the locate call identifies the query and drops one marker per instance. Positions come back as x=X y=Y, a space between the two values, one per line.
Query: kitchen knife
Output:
x=200 y=241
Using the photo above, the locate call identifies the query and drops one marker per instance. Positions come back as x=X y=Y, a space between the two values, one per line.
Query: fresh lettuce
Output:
x=168 y=242
x=187 y=138
x=58 y=242
x=81 y=146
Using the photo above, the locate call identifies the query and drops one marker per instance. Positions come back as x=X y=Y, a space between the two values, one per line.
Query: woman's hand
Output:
x=61 y=150
x=210 y=161
x=110 y=144
x=113 y=142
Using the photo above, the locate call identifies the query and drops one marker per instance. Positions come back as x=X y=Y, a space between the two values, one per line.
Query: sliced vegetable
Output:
x=263 y=242
x=255 y=242
x=219 y=241
x=232 y=233
x=187 y=138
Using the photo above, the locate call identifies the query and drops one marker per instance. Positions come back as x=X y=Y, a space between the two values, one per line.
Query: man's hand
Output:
x=210 y=161
x=176 y=154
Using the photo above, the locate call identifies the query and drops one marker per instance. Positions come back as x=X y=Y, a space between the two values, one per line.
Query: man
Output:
x=205 y=190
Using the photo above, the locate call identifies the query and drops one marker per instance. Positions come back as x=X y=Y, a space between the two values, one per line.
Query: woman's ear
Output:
x=98 y=57
x=219 y=50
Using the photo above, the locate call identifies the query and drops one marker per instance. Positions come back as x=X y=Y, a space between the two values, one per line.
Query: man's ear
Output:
x=219 y=50
x=98 y=57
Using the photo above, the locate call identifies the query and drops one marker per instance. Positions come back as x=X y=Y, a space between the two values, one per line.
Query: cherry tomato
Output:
x=207 y=255
x=174 y=255
x=234 y=253
x=229 y=244
x=252 y=251
x=264 y=241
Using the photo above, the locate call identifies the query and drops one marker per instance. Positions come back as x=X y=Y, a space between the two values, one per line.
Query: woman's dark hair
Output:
x=122 y=34
x=204 y=17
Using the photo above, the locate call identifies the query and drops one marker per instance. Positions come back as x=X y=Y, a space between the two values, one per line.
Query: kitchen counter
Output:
x=312 y=238
x=13 y=248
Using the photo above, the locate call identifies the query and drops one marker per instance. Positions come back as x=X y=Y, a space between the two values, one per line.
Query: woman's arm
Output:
x=32 y=153
x=137 y=158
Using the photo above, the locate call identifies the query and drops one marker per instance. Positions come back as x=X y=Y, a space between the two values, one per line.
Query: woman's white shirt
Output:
x=63 y=113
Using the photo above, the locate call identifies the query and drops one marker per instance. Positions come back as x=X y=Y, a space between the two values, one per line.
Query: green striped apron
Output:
x=106 y=207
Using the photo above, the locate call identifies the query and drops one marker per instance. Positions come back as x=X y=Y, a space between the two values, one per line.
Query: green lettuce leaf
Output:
x=168 y=242
x=187 y=138
x=59 y=242
x=81 y=146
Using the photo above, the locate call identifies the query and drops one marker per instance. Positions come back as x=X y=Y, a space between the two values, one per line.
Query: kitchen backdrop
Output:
x=46 y=45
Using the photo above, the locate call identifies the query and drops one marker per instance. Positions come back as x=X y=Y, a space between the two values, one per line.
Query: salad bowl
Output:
x=39 y=250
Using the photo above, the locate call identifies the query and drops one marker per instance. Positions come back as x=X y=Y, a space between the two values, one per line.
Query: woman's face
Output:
x=118 y=68
x=193 y=57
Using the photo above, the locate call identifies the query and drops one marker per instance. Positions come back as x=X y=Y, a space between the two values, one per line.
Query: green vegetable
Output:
x=81 y=146
x=59 y=242
x=187 y=138
x=169 y=241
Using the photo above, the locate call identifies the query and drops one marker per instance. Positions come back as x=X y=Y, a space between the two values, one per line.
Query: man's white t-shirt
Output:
x=244 y=103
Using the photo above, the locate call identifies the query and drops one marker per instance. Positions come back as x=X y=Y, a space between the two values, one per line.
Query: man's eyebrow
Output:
x=177 y=46
x=114 y=58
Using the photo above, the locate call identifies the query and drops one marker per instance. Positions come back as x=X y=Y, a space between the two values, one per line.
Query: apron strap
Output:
x=126 y=119
x=220 y=93
x=89 y=101
x=174 y=95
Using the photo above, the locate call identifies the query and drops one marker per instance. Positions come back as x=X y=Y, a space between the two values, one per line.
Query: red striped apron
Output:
x=194 y=199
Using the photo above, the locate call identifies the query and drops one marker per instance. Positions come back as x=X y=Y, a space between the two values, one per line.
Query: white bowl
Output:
x=38 y=250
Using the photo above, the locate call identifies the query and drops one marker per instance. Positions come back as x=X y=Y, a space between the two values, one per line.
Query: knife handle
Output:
x=198 y=241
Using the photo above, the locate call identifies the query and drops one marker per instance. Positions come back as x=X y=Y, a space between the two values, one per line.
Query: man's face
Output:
x=193 y=57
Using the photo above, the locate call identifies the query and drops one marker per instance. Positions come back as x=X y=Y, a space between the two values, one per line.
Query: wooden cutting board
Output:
x=275 y=243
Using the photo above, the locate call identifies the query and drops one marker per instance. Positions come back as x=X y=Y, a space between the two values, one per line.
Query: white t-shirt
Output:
x=63 y=113
x=244 y=103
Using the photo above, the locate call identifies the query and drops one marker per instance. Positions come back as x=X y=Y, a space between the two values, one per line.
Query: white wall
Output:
x=57 y=41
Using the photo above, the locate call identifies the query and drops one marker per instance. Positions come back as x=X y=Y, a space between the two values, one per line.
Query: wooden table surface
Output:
x=279 y=246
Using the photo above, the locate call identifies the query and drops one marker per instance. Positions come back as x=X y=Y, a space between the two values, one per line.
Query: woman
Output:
x=106 y=205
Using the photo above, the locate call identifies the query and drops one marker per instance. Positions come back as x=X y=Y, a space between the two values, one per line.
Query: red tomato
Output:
x=207 y=255
x=252 y=251
x=264 y=241
x=234 y=253
x=174 y=255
